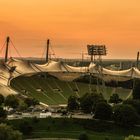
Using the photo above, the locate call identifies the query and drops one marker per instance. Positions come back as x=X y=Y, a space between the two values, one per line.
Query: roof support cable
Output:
x=1 y=49
x=52 y=50
x=43 y=53
x=16 y=50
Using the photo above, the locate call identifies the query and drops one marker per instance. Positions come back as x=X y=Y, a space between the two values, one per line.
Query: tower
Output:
x=47 y=51
x=7 y=47
x=137 y=62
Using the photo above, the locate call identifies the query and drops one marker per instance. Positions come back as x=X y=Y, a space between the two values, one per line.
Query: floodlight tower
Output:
x=97 y=50
x=47 y=52
x=7 y=47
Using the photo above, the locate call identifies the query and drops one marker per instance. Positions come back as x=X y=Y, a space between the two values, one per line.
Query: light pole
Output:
x=97 y=50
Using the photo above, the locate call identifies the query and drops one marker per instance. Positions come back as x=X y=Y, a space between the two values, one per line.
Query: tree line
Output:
x=125 y=113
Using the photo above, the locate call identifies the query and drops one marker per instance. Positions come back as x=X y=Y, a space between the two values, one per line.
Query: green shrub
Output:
x=1 y=99
x=11 y=101
x=83 y=136
x=7 y=133
x=35 y=119
x=3 y=113
x=114 y=98
x=132 y=137
x=125 y=115
x=89 y=101
x=26 y=127
x=103 y=111
x=73 y=103
x=136 y=89
x=134 y=103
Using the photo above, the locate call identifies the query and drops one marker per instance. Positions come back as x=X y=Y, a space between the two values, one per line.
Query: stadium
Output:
x=54 y=81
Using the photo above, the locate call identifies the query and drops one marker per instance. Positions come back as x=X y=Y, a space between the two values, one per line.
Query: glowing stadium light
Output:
x=96 y=49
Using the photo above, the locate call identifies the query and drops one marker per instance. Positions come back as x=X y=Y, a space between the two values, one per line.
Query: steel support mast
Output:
x=7 y=47
x=47 y=52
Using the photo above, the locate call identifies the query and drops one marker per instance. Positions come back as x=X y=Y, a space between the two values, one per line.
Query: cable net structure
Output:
x=12 y=68
x=16 y=67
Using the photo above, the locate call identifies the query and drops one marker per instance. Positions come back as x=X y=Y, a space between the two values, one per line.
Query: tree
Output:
x=136 y=89
x=11 y=101
x=7 y=133
x=134 y=103
x=83 y=136
x=88 y=101
x=73 y=103
x=3 y=113
x=132 y=137
x=1 y=99
x=22 y=106
x=125 y=115
x=31 y=101
x=103 y=111
x=26 y=127
x=114 y=98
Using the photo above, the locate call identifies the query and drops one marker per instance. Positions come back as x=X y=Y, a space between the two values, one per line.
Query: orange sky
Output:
x=71 y=25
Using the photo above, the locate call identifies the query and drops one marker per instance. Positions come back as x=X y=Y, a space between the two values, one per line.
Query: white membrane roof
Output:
x=60 y=70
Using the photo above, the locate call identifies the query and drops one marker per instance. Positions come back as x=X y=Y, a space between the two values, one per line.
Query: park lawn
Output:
x=75 y=135
x=72 y=128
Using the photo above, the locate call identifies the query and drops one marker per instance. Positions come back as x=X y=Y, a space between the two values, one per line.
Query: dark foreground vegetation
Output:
x=123 y=113
x=113 y=119
x=72 y=128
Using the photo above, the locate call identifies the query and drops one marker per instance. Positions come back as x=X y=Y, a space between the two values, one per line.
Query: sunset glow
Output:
x=71 y=25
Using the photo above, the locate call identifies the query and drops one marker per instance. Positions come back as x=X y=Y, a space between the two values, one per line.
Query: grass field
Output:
x=72 y=128
x=52 y=91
